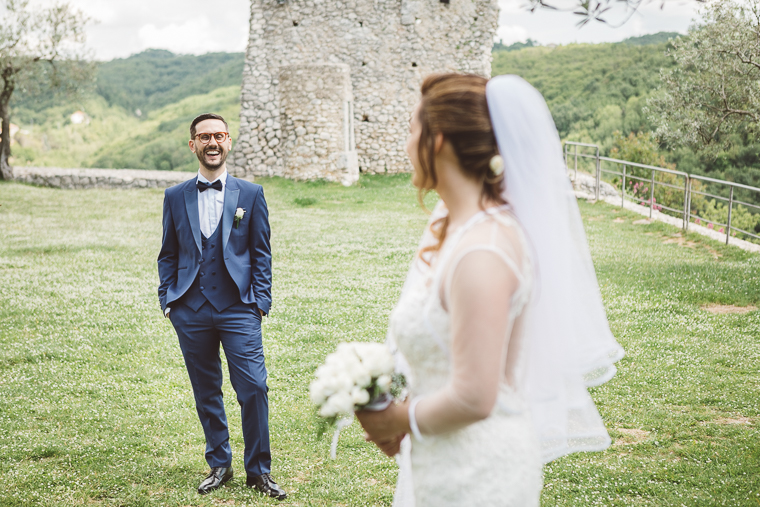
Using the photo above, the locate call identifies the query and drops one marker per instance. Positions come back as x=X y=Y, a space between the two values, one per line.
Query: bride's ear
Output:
x=438 y=143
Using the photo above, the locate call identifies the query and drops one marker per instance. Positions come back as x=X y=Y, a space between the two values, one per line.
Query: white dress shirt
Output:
x=211 y=205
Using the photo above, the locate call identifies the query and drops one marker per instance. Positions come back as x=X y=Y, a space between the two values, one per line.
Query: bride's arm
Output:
x=479 y=301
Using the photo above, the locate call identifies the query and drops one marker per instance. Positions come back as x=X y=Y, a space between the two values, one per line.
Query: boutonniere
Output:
x=239 y=213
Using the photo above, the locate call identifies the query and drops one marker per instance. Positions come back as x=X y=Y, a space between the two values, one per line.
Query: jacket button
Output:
x=213 y=273
x=202 y=273
x=214 y=287
x=202 y=287
x=200 y=261
x=212 y=246
x=213 y=258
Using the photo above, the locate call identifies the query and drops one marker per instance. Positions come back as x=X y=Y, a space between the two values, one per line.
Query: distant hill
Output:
x=655 y=38
x=156 y=78
x=498 y=46
x=112 y=137
x=592 y=89
x=137 y=114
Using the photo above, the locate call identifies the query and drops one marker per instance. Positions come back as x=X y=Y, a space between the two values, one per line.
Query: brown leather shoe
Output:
x=265 y=484
x=215 y=478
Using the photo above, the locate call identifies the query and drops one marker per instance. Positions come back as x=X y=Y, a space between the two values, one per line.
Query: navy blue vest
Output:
x=213 y=283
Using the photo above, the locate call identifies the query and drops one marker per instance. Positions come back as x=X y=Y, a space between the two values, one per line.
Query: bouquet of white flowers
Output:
x=357 y=376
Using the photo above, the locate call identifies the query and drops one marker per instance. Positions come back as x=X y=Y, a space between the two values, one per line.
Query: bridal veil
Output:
x=569 y=343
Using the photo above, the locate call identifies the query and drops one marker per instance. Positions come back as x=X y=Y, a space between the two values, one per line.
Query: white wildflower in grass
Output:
x=354 y=376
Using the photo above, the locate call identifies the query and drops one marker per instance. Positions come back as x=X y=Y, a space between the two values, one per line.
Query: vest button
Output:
x=213 y=273
x=200 y=261
x=202 y=273
x=212 y=246
x=213 y=258
x=214 y=287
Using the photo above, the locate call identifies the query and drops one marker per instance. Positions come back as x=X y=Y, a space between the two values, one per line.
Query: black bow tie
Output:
x=202 y=187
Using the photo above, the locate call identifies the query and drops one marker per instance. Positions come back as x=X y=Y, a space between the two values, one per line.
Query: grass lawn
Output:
x=96 y=406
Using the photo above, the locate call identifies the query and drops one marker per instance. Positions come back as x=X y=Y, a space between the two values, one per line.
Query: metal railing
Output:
x=687 y=187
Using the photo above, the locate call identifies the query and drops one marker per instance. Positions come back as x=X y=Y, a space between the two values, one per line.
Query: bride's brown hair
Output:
x=455 y=105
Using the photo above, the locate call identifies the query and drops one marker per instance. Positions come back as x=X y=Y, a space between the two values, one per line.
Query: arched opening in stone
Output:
x=295 y=23
x=365 y=117
x=414 y=64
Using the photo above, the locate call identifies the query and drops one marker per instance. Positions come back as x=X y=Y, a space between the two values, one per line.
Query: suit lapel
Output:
x=191 y=205
x=231 y=194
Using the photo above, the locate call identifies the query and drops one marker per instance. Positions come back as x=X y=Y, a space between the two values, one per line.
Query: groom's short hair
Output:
x=203 y=117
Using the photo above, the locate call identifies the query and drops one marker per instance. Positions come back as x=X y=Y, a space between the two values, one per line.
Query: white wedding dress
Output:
x=495 y=461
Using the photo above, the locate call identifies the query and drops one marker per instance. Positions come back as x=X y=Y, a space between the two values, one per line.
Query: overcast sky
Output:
x=126 y=27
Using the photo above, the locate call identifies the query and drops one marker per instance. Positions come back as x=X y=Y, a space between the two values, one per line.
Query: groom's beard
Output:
x=215 y=162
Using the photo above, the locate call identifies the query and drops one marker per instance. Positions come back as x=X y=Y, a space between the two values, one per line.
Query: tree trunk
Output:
x=6 y=171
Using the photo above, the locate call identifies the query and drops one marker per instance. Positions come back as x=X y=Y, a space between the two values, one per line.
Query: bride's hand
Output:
x=389 y=447
x=387 y=424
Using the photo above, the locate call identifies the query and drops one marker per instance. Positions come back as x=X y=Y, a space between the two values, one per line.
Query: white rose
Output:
x=346 y=348
x=239 y=213
x=317 y=392
x=384 y=383
x=360 y=396
x=375 y=366
x=377 y=359
x=346 y=382
x=359 y=373
x=333 y=361
x=341 y=403
x=323 y=372
x=327 y=410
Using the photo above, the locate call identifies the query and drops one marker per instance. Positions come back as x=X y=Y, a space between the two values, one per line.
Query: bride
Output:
x=500 y=326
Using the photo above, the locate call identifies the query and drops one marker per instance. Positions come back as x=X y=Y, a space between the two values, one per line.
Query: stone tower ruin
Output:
x=328 y=85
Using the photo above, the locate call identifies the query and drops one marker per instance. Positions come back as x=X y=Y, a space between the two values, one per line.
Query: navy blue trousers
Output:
x=238 y=330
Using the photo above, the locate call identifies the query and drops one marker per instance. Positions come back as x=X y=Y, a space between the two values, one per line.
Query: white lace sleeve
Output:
x=481 y=282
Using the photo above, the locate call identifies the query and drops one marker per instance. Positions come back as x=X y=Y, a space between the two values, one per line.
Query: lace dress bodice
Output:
x=494 y=461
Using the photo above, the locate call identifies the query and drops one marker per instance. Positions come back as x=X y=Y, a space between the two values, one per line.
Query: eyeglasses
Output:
x=219 y=137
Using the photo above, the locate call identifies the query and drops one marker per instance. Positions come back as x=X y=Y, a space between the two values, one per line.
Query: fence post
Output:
x=730 y=205
x=651 y=196
x=622 y=191
x=576 y=163
x=564 y=148
x=598 y=173
x=686 y=204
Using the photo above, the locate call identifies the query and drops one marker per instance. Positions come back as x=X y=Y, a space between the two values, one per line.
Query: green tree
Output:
x=596 y=10
x=39 y=48
x=710 y=101
x=643 y=148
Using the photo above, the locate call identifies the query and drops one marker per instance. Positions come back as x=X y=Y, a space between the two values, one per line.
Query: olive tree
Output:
x=612 y=12
x=40 y=48
x=711 y=98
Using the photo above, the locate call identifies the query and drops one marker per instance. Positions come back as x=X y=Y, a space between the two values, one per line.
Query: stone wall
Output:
x=317 y=128
x=586 y=184
x=389 y=46
x=99 y=178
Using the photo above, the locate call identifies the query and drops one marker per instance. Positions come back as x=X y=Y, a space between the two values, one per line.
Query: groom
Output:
x=215 y=269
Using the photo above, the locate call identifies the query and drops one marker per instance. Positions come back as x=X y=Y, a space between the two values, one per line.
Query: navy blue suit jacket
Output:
x=247 y=253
